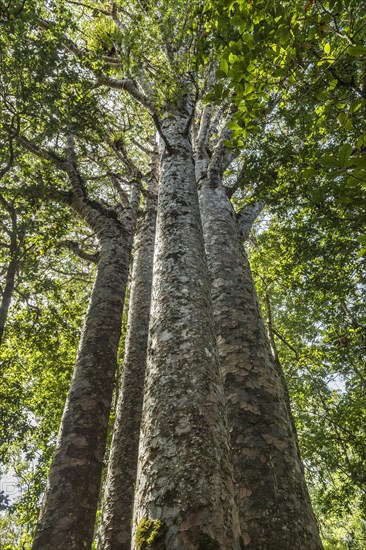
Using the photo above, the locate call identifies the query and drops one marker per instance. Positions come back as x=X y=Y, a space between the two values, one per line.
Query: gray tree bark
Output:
x=116 y=523
x=68 y=511
x=10 y=274
x=184 y=496
x=274 y=505
x=7 y=293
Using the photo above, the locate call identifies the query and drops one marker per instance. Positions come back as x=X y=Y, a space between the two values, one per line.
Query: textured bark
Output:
x=184 y=477
x=14 y=246
x=70 y=503
x=247 y=216
x=274 y=504
x=116 y=524
x=7 y=294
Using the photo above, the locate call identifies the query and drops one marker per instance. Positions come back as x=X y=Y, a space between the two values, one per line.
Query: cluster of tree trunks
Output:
x=204 y=455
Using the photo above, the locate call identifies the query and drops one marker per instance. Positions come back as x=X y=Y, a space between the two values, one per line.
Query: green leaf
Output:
x=218 y=90
x=327 y=48
x=323 y=94
x=308 y=173
x=224 y=66
x=233 y=125
x=342 y=117
x=361 y=141
x=348 y=124
x=359 y=161
x=355 y=105
x=220 y=74
x=249 y=87
x=344 y=154
x=356 y=51
x=329 y=162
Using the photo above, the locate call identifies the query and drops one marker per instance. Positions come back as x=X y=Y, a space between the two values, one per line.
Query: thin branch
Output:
x=121 y=152
x=123 y=196
x=247 y=216
x=75 y=248
x=81 y=53
x=286 y=342
x=333 y=72
x=142 y=147
x=13 y=233
x=40 y=152
x=204 y=129
x=90 y=7
x=128 y=86
x=12 y=134
x=336 y=28
x=161 y=133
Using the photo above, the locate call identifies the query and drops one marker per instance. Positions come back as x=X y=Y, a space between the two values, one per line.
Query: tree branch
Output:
x=12 y=134
x=142 y=147
x=72 y=170
x=75 y=248
x=128 y=86
x=217 y=165
x=46 y=154
x=121 y=152
x=286 y=342
x=247 y=216
x=125 y=201
x=204 y=129
x=81 y=53
x=90 y=7
x=347 y=84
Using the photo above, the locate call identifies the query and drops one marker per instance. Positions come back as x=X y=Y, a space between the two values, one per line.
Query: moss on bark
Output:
x=148 y=533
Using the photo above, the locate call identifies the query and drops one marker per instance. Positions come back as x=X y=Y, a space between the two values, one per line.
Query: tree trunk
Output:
x=69 y=507
x=184 y=496
x=116 y=524
x=7 y=294
x=275 y=509
x=14 y=248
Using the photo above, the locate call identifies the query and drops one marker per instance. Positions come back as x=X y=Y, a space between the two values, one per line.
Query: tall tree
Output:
x=172 y=108
x=13 y=246
x=164 y=72
x=10 y=228
x=268 y=471
x=116 y=521
x=185 y=486
x=74 y=480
